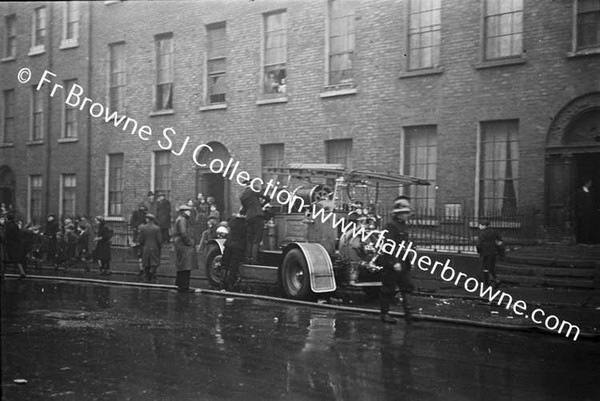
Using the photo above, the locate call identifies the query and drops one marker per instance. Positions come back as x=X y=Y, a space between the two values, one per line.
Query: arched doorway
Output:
x=572 y=154
x=7 y=186
x=211 y=184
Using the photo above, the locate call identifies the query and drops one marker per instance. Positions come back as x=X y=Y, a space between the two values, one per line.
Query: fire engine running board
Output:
x=367 y=284
x=319 y=266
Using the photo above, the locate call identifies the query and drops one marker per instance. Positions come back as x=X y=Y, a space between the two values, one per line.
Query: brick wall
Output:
x=51 y=157
x=455 y=100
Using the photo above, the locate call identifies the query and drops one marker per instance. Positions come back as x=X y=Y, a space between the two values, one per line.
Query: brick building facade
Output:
x=495 y=102
x=43 y=144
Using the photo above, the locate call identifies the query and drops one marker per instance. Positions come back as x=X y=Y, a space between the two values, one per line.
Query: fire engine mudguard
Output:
x=306 y=269
x=213 y=262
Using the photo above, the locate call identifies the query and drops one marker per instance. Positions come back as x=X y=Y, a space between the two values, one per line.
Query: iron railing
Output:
x=438 y=230
x=457 y=230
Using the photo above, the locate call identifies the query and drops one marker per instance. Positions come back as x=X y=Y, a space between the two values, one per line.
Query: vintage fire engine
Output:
x=303 y=254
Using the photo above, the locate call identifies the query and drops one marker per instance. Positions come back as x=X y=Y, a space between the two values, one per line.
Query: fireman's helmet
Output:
x=222 y=232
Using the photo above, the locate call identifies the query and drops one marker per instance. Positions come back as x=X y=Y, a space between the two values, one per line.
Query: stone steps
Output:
x=542 y=281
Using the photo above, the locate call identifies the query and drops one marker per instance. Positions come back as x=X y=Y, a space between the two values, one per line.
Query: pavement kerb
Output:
x=420 y=317
x=424 y=293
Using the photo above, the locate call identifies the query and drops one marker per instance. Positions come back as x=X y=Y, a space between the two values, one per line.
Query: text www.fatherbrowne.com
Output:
x=447 y=273
x=75 y=98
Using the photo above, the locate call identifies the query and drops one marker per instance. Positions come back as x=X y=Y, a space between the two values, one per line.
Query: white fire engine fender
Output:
x=320 y=267
x=220 y=242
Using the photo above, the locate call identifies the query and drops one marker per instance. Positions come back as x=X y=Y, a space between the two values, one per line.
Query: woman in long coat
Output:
x=150 y=240
x=102 y=241
x=185 y=252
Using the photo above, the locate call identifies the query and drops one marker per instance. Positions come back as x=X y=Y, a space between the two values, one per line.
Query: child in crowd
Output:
x=71 y=239
x=61 y=256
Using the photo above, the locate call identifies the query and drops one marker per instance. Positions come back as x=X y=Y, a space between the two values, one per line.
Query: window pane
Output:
x=164 y=73
x=272 y=156
x=217 y=63
x=162 y=172
x=341 y=41
x=70 y=114
x=499 y=168
x=424 y=34
x=115 y=184
x=421 y=161
x=69 y=195
x=503 y=28
x=117 y=76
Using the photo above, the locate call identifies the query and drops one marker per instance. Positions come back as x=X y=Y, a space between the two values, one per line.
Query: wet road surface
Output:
x=74 y=341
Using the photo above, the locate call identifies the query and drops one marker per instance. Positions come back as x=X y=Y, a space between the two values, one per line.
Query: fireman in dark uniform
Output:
x=396 y=272
x=235 y=248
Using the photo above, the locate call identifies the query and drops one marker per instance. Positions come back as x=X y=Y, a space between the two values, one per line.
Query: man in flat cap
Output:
x=163 y=216
x=185 y=251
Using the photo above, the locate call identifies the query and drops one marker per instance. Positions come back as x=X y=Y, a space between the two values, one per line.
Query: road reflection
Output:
x=82 y=341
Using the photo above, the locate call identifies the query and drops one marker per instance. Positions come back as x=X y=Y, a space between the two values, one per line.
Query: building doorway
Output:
x=212 y=184
x=587 y=166
x=572 y=153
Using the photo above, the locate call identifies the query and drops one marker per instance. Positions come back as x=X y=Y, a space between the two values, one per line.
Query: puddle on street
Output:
x=81 y=341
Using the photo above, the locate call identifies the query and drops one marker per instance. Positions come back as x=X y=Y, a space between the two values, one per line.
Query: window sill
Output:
x=162 y=113
x=68 y=44
x=36 y=142
x=7 y=145
x=10 y=58
x=36 y=50
x=338 y=92
x=274 y=100
x=593 y=51
x=420 y=73
x=220 y=106
x=500 y=63
x=67 y=140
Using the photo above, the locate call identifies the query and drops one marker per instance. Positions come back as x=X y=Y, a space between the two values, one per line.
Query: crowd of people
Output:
x=71 y=243
x=78 y=241
x=198 y=221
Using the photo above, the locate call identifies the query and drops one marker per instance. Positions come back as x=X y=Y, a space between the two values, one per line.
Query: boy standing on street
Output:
x=488 y=246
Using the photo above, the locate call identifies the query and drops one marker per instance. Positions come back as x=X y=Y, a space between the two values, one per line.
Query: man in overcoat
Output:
x=15 y=244
x=185 y=252
x=102 y=240
x=396 y=272
x=150 y=240
x=50 y=233
x=163 y=216
x=151 y=203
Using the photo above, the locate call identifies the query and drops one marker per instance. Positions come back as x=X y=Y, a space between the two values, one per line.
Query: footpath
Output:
x=580 y=306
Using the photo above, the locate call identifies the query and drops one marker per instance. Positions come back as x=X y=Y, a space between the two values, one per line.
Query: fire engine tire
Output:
x=214 y=269
x=295 y=277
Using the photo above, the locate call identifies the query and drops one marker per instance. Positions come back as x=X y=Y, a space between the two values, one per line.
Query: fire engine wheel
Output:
x=295 y=277
x=214 y=267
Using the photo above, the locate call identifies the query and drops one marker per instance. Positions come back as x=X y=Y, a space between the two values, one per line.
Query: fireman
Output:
x=396 y=272
x=235 y=248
